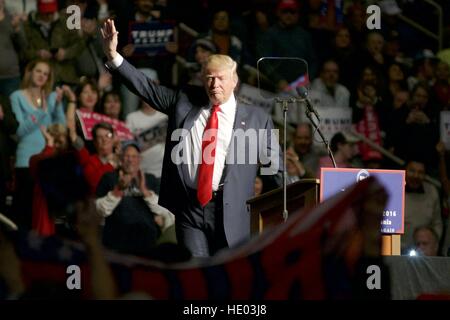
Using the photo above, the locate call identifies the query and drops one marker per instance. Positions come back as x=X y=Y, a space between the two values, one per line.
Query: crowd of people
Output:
x=394 y=81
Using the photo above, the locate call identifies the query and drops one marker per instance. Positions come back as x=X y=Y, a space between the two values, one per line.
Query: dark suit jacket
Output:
x=239 y=178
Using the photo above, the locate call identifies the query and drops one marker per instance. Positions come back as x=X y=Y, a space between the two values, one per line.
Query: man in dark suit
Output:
x=209 y=170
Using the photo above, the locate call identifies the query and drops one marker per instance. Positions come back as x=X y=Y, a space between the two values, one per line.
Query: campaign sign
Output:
x=152 y=136
x=150 y=38
x=333 y=120
x=257 y=97
x=334 y=180
x=89 y=119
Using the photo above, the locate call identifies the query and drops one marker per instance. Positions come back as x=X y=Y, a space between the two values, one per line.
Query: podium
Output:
x=267 y=208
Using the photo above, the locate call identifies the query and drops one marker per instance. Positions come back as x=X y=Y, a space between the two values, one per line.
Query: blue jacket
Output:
x=31 y=141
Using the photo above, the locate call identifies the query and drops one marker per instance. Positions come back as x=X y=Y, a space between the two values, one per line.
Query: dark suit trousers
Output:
x=201 y=229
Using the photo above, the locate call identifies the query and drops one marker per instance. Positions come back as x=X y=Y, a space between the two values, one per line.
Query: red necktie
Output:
x=206 y=168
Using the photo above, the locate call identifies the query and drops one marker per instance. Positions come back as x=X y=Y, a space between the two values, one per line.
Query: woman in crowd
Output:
x=88 y=95
x=111 y=105
x=34 y=105
x=85 y=99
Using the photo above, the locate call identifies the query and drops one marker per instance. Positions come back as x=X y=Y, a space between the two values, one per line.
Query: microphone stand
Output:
x=284 y=105
x=316 y=127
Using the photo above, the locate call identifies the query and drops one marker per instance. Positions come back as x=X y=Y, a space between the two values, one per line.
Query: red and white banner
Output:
x=369 y=127
x=313 y=255
x=89 y=119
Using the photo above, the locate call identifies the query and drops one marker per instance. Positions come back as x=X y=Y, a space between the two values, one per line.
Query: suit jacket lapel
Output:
x=240 y=122
x=187 y=124
x=190 y=117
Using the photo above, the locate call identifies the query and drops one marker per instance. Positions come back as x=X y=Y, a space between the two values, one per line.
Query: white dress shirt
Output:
x=192 y=144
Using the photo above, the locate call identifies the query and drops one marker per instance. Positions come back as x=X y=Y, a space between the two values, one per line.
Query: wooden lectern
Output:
x=267 y=209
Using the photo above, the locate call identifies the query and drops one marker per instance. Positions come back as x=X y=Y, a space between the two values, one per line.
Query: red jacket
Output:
x=41 y=221
x=93 y=168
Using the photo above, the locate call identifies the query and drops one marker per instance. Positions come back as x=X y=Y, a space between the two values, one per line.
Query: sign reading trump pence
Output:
x=334 y=180
x=333 y=120
x=151 y=38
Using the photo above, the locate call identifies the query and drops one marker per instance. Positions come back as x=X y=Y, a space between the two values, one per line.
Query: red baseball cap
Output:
x=287 y=4
x=47 y=6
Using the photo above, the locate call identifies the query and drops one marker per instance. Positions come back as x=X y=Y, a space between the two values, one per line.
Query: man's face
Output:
x=415 y=174
x=302 y=140
x=426 y=243
x=396 y=73
x=144 y=6
x=343 y=38
x=288 y=17
x=46 y=17
x=347 y=150
x=400 y=98
x=375 y=43
x=219 y=83
x=104 y=142
x=201 y=55
x=221 y=21
x=131 y=160
x=419 y=98
x=330 y=74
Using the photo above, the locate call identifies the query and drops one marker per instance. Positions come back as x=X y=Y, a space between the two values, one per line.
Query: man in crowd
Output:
x=104 y=160
x=49 y=38
x=422 y=204
x=125 y=197
x=326 y=91
x=306 y=151
x=426 y=241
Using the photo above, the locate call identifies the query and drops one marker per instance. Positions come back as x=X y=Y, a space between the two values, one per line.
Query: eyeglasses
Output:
x=109 y=135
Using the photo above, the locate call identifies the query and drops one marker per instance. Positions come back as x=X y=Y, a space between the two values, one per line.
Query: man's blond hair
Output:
x=221 y=62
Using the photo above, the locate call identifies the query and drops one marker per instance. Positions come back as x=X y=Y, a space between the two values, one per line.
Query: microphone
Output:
x=303 y=93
